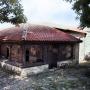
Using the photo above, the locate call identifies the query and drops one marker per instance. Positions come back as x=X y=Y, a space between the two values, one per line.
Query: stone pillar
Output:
x=60 y=53
x=10 y=52
x=76 y=53
x=23 y=54
x=45 y=54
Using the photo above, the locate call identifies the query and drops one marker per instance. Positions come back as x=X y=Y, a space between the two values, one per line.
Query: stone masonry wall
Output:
x=15 y=52
x=3 y=50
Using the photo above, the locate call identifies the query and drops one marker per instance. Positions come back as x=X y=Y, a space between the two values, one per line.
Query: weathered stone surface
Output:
x=31 y=70
x=71 y=79
x=34 y=70
x=9 y=67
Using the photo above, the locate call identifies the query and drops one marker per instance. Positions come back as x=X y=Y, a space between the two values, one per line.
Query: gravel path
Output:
x=63 y=79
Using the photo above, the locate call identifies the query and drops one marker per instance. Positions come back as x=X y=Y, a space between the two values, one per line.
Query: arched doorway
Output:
x=27 y=55
x=7 y=52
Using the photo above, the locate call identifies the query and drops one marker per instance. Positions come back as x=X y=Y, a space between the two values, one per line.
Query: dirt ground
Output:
x=73 y=78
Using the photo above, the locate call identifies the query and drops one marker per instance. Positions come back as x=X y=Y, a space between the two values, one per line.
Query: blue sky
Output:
x=50 y=12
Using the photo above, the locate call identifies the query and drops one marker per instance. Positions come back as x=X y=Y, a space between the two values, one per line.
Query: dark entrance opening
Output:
x=54 y=57
x=27 y=55
x=7 y=55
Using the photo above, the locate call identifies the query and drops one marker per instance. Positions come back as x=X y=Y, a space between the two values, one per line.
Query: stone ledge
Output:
x=23 y=71
x=32 y=70
x=9 y=67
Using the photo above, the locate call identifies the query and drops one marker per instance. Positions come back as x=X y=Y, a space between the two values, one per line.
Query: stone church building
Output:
x=37 y=45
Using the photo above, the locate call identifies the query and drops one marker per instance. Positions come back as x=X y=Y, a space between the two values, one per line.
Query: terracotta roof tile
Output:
x=36 y=33
x=72 y=30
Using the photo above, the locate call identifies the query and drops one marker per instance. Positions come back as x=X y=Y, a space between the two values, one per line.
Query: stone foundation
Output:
x=31 y=70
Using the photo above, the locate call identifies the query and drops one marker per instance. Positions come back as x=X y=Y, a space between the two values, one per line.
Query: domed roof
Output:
x=31 y=32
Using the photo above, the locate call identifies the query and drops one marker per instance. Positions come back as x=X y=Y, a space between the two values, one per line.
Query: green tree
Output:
x=82 y=8
x=11 y=11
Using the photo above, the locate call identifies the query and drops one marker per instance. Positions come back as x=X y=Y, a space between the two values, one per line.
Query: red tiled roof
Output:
x=73 y=30
x=35 y=33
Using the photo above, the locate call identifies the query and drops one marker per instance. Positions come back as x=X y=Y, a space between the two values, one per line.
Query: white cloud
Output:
x=44 y=9
x=49 y=11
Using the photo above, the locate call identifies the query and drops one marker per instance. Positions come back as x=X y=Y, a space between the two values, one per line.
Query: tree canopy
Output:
x=82 y=8
x=11 y=11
